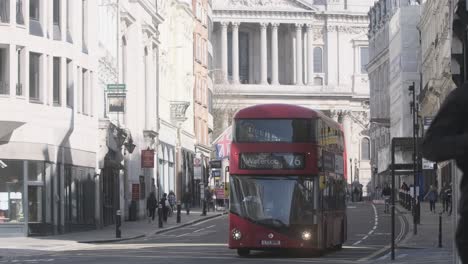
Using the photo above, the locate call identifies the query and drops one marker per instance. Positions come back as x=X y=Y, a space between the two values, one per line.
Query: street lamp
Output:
x=414 y=106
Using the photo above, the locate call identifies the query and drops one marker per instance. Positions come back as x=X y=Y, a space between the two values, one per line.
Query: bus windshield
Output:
x=275 y=201
x=275 y=130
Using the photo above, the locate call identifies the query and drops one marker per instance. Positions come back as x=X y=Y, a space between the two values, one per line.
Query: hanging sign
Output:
x=147 y=159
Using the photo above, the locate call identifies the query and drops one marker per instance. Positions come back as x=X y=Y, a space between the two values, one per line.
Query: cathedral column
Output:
x=235 y=52
x=224 y=51
x=299 y=80
x=263 y=53
x=274 y=53
x=310 y=55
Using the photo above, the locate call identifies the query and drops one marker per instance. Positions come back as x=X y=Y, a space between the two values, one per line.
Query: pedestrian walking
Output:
x=448 y=199
x=187 y=200
x=172 y=202
x=386 y=193
x=164 y=206
x=447 y=138
x=432 y=195
x=443 y=197
x=151 y=204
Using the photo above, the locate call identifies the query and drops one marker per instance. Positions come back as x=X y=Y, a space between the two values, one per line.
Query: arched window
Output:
x=318 y=60
x=365 y=149
x=318 y=81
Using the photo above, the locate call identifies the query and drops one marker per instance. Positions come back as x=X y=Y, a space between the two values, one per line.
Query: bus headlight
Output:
x=236 y=234
x=306 y=235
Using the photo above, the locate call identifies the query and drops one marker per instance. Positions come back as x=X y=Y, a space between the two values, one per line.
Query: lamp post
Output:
x=351 y=169
x=414 y=106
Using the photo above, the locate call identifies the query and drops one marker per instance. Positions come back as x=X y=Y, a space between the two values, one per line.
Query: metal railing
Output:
x=5 y=11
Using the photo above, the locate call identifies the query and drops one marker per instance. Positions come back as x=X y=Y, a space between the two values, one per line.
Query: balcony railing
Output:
x=5 y=11
x=4 y=87
x=19 y=12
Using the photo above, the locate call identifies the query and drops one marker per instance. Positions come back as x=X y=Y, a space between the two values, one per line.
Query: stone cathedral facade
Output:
x=302 y=52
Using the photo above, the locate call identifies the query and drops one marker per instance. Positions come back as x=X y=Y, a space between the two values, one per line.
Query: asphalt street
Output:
x=205 y=242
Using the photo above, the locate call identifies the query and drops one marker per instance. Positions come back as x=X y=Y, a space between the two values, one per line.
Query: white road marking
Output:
x=376 y=222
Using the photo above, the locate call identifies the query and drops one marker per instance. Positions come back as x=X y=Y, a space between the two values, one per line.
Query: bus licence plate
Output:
x=271 y=243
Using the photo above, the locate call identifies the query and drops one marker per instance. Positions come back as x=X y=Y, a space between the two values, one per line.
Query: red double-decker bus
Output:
x=287 y=180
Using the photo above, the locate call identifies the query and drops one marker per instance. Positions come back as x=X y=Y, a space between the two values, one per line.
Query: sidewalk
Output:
x=423 y=247
x=20 y=246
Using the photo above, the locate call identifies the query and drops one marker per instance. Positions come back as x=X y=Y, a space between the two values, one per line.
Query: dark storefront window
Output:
x=11 y=192
x=79 y=195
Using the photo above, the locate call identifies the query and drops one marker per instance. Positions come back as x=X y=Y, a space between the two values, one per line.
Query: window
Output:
x=5 y=11
x=57 y=12
x=4 y=84
x=364 y=51
x=69 y=20
x=35 y=27
x=56 y=20
x=318 y=60
x=365 y=149
x=34 y=9
x=11 y=192
x=19 y=12
x=124 y=60
x=84 y=90
x=34 y=76
x=84 y=25
x=274 y=130
x=19 y=82
x=70 y=86
x=318 y=81
x=56 y=80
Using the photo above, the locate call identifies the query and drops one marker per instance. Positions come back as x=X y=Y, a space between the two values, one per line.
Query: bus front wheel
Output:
x=243 y=252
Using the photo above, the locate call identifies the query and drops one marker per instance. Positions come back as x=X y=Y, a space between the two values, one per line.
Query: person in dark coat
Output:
x=447 y=138
x=163 y=203
x=151 y=204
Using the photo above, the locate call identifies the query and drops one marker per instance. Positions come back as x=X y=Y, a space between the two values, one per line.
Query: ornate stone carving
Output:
x=318 y=33
x=351 y=29
x=285 y=4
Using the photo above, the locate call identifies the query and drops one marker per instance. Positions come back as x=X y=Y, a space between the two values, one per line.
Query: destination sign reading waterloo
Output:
x=272 y=161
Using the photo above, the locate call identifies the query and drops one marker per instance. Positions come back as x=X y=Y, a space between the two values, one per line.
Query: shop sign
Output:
x=147 y=159
x=116 y=102
x=272 y=161
x=216 y=164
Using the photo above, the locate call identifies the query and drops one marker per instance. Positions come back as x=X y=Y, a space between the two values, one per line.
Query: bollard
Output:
x=179 y=208
x=118 y=223
x=160 y=216
x=440 y=230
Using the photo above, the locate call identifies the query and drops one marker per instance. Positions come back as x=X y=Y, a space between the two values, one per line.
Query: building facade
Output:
x=203 y=120
x=309 y=53
x=48 y=117
x=394 y=66
x=436 y=47
x=176 y=107
x=128 y=100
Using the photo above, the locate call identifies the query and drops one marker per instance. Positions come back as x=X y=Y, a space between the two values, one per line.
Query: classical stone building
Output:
x=309 y=53
x=436 y=46
x=394 y=66
x=176 y=98
x=128 y=108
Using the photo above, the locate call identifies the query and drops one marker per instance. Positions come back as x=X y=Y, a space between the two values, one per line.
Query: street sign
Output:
x=219 y=193
x=216 y=164
x=147 y=159
x=116 y=86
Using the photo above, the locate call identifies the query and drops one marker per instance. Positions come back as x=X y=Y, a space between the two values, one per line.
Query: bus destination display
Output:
x=272 y=161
